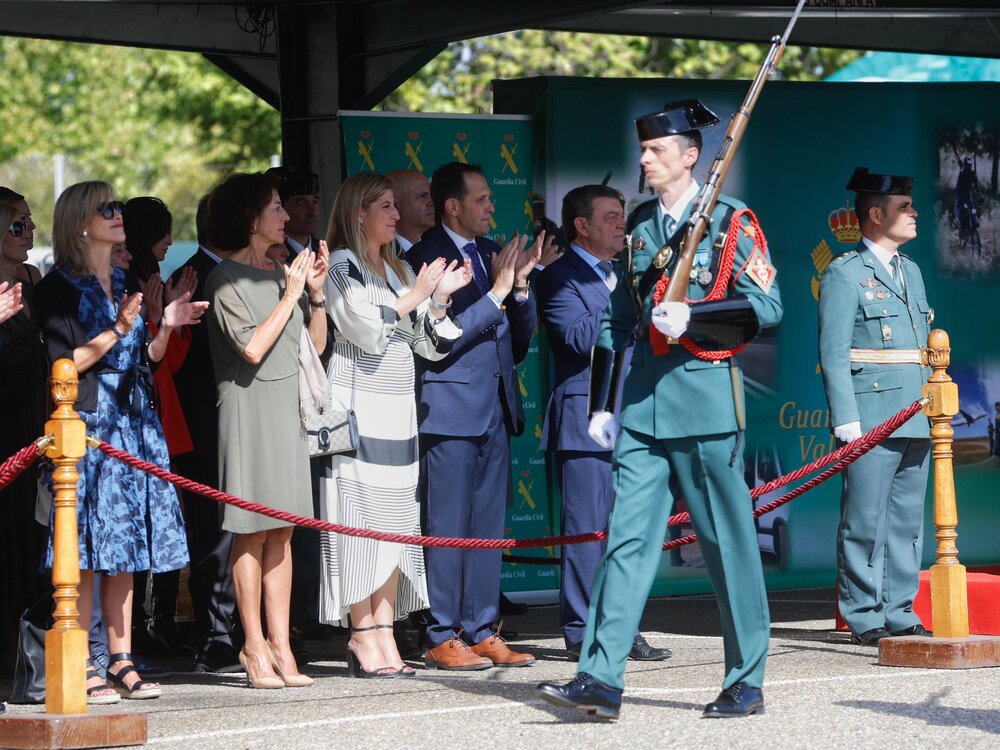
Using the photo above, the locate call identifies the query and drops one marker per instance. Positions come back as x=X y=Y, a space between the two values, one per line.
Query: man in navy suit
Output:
x=573 y=293
x=468 y=406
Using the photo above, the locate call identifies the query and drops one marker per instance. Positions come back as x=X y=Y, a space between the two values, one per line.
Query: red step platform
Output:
x=984 y=601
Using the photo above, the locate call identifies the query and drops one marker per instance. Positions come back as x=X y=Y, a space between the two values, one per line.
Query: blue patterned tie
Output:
x=478 y=272
x=608 y=272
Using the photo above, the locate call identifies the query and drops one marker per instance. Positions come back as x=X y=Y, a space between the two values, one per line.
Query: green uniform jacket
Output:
x=678 y=395
x=861 y=307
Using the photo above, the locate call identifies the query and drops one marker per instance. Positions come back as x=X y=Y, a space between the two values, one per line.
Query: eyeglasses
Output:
x=17 y=228
x=107 y=210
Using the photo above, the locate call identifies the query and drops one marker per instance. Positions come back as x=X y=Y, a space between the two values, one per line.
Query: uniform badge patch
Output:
x=869 y=296
x=760 y=270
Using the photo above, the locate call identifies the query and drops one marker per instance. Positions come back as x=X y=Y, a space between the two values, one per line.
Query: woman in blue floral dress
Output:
x=127 y=520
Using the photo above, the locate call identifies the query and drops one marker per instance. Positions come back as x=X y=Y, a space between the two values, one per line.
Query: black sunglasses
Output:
x=17 y=228
x=107 y=210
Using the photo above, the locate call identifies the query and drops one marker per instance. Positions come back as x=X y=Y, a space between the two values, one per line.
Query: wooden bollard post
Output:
x=66 y=642
x=65 y=723
x=951 y=647
x=949 y=598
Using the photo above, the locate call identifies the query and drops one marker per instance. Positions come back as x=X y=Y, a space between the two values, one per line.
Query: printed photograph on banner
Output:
x=967 y=215
x=977 y=424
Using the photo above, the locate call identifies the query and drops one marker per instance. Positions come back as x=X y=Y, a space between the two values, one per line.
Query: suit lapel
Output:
x=589 y=277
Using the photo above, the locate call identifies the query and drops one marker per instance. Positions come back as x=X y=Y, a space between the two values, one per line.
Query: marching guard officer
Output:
x=873 y=325
x=681 y=419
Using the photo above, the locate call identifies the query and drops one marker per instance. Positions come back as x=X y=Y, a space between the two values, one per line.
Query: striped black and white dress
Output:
x=372 y=367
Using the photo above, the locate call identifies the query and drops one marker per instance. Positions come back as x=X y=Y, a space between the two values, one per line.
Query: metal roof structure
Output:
x=312 y=58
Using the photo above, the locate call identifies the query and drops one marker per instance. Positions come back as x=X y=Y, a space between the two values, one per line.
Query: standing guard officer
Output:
x=680 y=431
x=873 y=323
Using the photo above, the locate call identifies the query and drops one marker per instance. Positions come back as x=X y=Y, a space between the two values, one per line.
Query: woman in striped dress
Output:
x=383 y=313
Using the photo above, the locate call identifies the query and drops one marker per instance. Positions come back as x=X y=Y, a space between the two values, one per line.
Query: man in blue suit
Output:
x=572 y=294
x=468 y=406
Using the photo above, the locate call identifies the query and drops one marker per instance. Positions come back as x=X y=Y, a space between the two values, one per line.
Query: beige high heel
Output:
x=264 y=682
x=289 y=680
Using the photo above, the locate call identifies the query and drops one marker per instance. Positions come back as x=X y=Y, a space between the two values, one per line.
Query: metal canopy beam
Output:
x=967 y=27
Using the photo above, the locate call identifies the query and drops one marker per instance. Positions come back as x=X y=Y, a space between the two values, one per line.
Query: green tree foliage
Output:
x=149 y=122
x=458 y=80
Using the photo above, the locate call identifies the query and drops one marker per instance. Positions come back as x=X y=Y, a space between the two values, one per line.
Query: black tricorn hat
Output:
x=863 y=181
x=294 y=182
x=676 y=117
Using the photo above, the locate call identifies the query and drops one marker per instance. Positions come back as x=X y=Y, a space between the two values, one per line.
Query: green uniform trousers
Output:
x=645 y=473
x=880 y=541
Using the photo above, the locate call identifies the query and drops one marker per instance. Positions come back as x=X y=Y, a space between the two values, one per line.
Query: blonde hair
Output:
x=75 y=207
x=356 y=194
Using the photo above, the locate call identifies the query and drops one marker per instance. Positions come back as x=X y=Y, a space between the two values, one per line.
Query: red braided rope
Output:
x=320 y=525
x=848 y=454
x=14 y=466
x=845 y=454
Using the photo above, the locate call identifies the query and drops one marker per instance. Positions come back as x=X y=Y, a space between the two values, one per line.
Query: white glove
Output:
x=671 y=318
x=847 y=432
x=604 y=429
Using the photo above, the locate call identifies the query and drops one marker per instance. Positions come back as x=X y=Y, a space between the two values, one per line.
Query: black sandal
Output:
x=99 y=700
x=138 y=691
x=405 y=670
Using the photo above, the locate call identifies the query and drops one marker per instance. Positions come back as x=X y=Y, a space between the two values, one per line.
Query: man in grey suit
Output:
x=873 y=326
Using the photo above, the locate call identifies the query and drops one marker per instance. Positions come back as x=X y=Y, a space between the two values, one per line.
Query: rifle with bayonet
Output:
x=689 y=235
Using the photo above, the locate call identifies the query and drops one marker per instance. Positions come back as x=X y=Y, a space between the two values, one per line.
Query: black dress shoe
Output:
x=217 y=659
x=507 y=607
x=735 y=702
x=869 y=637
x=642 y=651
x=584 y=693
x=917 y=629
x=574 y=651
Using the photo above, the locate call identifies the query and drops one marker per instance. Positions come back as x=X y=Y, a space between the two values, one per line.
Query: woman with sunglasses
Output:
x=23 y=404
x=91 y=312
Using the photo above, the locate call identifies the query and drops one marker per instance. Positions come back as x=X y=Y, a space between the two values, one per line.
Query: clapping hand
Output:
x=454 y=278
x=505 y=264
x=128 y=311
x=296 y=273
x=550 y=251
x=181 y=312
x=317 y=270
x=10 y=300
x=526 y=261
x=186 y=282
x=428 y=277
x=152 y=292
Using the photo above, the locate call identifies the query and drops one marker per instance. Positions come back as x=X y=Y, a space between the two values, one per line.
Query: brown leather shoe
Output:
x=496 y=650
x=456 y=655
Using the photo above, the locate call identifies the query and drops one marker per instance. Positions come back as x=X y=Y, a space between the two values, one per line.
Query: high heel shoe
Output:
x=140 y=689
x=354 y=663
x=289 y=680
x=405 y=670
x=264 y=682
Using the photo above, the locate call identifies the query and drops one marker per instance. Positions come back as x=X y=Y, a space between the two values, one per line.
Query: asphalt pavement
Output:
x=820 y=691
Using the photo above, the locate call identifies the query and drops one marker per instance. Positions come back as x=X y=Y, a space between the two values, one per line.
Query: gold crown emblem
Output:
x=844 y=224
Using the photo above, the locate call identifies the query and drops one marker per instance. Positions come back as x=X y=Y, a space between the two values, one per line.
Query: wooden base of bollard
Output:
x=33 y=731
x=971 y=652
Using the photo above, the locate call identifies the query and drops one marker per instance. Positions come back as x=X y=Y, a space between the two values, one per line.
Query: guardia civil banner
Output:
x=802 y=144
x=502 y=145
